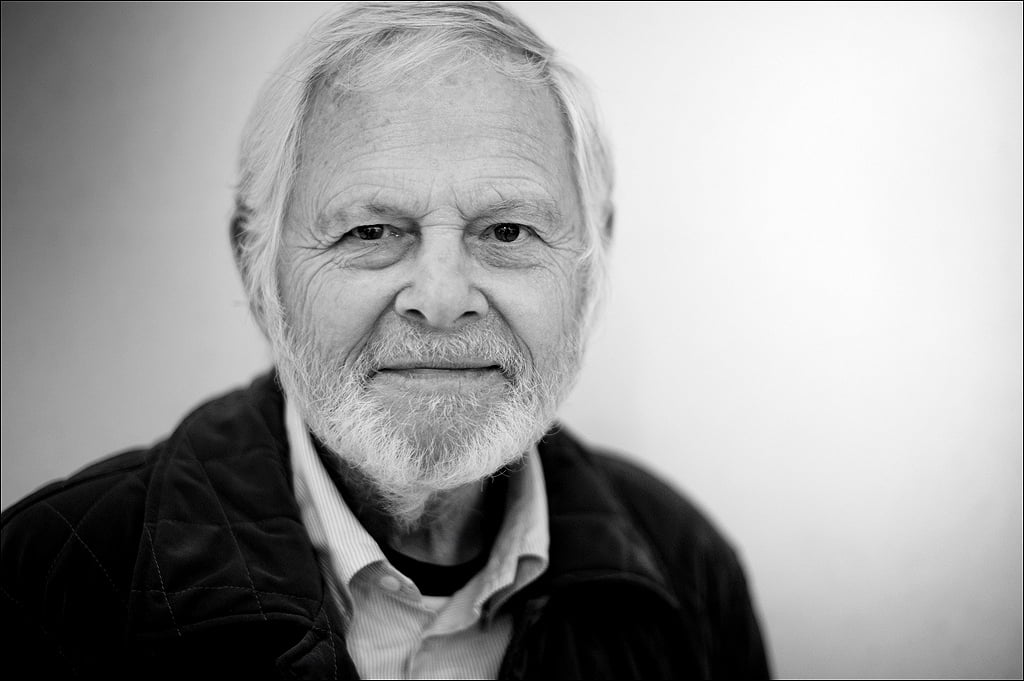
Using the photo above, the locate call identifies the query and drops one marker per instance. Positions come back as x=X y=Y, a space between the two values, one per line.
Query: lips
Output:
x=440 y=372
x=419 y=368
x=442 y=365
x=443 y=378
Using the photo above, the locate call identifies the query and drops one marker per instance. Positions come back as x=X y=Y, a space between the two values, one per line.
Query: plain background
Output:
x=815 y=326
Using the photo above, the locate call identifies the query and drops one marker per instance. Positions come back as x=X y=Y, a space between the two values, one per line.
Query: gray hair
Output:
x=362 y=46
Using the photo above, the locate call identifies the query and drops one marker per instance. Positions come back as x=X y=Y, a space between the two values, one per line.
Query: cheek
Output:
x=541 y=307
x=338 y=307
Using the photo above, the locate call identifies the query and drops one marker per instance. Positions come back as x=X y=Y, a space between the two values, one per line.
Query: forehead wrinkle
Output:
x=533 y=136
x=532 y=112
x=357 y=136
x=366 y=125
x=361 y=153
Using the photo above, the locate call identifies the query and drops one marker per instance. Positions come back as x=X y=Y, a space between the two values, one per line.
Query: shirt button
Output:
x=390 y=583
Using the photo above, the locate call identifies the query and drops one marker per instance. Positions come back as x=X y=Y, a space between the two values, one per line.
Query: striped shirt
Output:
x=392 y=630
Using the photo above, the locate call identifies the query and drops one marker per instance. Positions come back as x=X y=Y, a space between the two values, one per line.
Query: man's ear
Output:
x=609 y=225
x=238 y=234
x=239 y=221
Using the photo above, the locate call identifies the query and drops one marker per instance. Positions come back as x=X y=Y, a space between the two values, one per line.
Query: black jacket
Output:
x=190 y=559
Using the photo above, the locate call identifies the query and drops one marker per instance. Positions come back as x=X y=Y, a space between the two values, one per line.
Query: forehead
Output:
x=472 y=136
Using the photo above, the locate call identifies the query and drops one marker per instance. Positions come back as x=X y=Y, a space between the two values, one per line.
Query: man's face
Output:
x=429 y=273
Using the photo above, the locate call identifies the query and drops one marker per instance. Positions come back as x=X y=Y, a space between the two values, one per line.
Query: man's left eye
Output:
x=369 y=232
x=507 y=231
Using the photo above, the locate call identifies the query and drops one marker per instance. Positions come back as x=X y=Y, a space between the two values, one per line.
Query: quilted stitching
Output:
x=74 y=533
x=160 y=576
x=218 y=475
x=46 y=635
x=85 y=545
x=167 y=592
x=322 y=613
x=231 y=530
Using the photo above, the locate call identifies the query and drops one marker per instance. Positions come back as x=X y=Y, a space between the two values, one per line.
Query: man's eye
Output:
x=507 y=231
x=368 y=232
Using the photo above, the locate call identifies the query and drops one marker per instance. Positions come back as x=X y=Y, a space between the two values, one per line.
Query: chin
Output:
x=407 y=463
x=432 y=444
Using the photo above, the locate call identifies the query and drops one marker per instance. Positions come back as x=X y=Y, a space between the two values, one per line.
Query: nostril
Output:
x=413 y=312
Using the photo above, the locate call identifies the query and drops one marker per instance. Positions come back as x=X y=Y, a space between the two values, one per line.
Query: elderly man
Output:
x=423 y=213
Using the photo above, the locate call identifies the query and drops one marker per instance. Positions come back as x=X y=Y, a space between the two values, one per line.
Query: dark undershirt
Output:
x=433 y=579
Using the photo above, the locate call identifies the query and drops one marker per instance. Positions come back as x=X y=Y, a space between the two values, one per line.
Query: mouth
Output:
x=461 y=365
x=439 y=375
x=438 y=371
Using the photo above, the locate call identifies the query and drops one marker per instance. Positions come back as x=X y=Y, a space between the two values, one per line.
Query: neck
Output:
x=453 y=526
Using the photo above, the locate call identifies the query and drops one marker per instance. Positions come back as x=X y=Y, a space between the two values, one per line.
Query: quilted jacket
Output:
x=190 y=559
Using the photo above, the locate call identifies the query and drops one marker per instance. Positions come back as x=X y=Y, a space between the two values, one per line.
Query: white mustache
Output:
x=472 y=348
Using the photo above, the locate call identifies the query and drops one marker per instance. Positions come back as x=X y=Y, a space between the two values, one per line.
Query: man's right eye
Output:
x=368 y=232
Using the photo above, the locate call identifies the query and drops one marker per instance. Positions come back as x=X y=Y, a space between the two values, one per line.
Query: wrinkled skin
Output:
x=437 y=207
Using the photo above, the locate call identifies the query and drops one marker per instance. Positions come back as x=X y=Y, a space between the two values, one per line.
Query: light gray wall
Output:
x=816 y=321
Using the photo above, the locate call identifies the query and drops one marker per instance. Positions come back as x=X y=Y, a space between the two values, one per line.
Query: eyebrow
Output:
x=536 y=208
x=543 y=209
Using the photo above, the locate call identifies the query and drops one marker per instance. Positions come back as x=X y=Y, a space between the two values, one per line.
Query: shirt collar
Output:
x=519 y=555
x=331 y=524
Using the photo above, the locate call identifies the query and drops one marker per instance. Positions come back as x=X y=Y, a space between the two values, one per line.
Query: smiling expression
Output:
x=439 y=207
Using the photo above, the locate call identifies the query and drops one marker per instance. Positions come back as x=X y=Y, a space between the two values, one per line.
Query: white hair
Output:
x=361 y=46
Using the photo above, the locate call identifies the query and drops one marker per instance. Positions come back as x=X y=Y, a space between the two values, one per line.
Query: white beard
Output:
x=411 y=449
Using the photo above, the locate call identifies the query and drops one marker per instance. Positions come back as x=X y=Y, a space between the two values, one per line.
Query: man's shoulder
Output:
x=83 y=520
x=666 y=516
x=68 y=555
x=696 y=563
x=101 y=508
x=239 y=415
x=650 y=496
x=129 y=540
x=87 y=485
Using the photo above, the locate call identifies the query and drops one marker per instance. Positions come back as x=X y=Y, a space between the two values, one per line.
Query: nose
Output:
x=441 y=293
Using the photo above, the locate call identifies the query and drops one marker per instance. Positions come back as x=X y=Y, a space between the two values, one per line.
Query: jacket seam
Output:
x=74 y=535
x=222 y=588
x=47 y=635
x=187 y=445
x=160 y=577
x=57 y=555
x=71 y=483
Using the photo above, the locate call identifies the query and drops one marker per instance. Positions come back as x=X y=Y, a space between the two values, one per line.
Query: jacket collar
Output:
x=224 y=541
